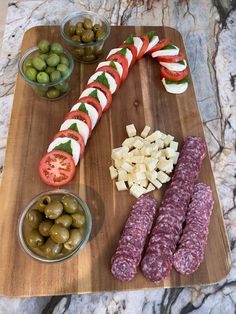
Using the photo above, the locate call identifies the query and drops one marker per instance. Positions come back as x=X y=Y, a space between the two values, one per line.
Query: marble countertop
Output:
x=209 y=31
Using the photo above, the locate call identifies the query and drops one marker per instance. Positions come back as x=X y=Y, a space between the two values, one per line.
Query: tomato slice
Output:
x=173 y=75
x=56 y=168
x=161 y=44
x=123 y=61
x=145 y=40
x=93 y=102
x=133 y=50
x=74 y=135
x=80 y=115
x=113 y=72
x=103 y=89
x=179 y=57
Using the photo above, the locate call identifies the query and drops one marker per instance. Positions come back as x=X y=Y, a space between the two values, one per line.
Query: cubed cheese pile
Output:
x=143 y=163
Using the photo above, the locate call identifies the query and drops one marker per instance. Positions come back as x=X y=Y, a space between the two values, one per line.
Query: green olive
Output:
x=96 y=27
x=57 y=48
x=59 y=233
x=53 y=60
x=49 y=70
x=76 y=38
x=43 y=77
x=43 y=56
x=41 y=90
x=64 y=60
x=64 y=220
x=63 y=69
x=31 y=73
x=87 y=36
x=55 y=76
x=79 y=52
x=79 y=31
x=100 y=34
x=79 y=25
x=28 y=63
x=45 y=227
x=34 y=217
x=70 y=204
x=53 y=93
x=51 y=249
x=71 y=30
x=98 y=50
x=53 y=210
x=43 y=201
x=89 y=58
x=63 y=87
x=89 y=50
x=78 y=220
x=34 y=239
x=74 y=240
x=88 y=24
x=39 y=64
x=44 y=46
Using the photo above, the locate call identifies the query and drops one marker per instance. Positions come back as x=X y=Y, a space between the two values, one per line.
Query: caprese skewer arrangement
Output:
x=57 y=167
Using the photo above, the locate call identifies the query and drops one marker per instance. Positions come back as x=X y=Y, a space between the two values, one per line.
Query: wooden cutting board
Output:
x=141 y=100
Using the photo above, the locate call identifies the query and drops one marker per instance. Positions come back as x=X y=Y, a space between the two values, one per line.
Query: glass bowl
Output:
x=22 y=228
x=85 y=52
x=60 y=88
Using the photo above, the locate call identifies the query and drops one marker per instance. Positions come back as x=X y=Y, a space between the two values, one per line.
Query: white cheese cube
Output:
x=170 y=167
x=164 y=164
x=117 y=153
x=136 y=152
x=162 y=177
x=113 y=172
x=144 y=183
x=153 y=137
x=150 y=187
x=130 y=183
x=137 y=190
x=150 y=163
x=146 y=150
x=127 y=167
x=163 y=136
x=138 y=144
x=122 y=175
x=128 y=142
x=130 y=154
x=169 y=152
x=145 y=131
x=156 y=154
x=130 y=129
x=136 y=159
x=121 y=186
x=138 y=176
x=140 y=168
x=174 y=145
x=168 y=139
x=118 y=163
x=175 y=158
x=155 y=147
x=160 y=143
x=151 y=175
x=156 y=183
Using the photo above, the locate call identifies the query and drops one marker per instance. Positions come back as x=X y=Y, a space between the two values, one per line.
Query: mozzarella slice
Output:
x=101 y=97
x=138 y=43
x=92 y=112
x=166 y=52
x=175 y=88
x=128 y=54
x=154 y=41
x=107 y=63
x=109 y=77
x=174 y=66
x=81 y=126
x=75 y=147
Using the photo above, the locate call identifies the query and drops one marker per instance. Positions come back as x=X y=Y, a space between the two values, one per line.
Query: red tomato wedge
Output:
x=93 y=102
x=173 y=75
x=56 y=168
x=80 y=115
x=123 y=61
x=103 y=89
x=113 y=72
x=145 y=40
x=133 y=50
x=74 y=135
x=161 y=44
x=179 y=57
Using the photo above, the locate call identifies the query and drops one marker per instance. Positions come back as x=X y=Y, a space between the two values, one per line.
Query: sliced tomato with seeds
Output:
x=93 y=102
x=173 y=75
x=161 y=44
x=145 y=40
x=113 y=72
x=105 y=91
x=179 y=57
x=56 y=168
x=80 y=115
x=133 y=50
x=123 y=61
x=74 y=135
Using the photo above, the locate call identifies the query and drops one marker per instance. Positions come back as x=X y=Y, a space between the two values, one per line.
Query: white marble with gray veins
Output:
x=209 y=31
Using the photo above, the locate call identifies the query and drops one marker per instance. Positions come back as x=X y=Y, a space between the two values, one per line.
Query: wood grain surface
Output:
x=141 y=100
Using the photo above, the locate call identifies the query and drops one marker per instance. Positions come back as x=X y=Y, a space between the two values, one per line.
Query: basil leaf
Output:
x=129 y=40
x=122 y=51
x=169 y=47
x=82 y=107
x=112 y=64
x=185 y=80
x=73 y=127
x=94 y=94
x=66 y=147
x=150 y=35
x=181 y=62
x=103 y=80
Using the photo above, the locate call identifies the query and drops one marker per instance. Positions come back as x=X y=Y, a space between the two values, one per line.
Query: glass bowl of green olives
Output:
x=86 y=33
x=47 y=68
x=54 y=226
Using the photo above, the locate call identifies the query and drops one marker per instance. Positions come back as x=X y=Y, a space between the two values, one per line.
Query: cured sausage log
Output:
x=130 y=248
x=158 y=259
x=192 y=244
